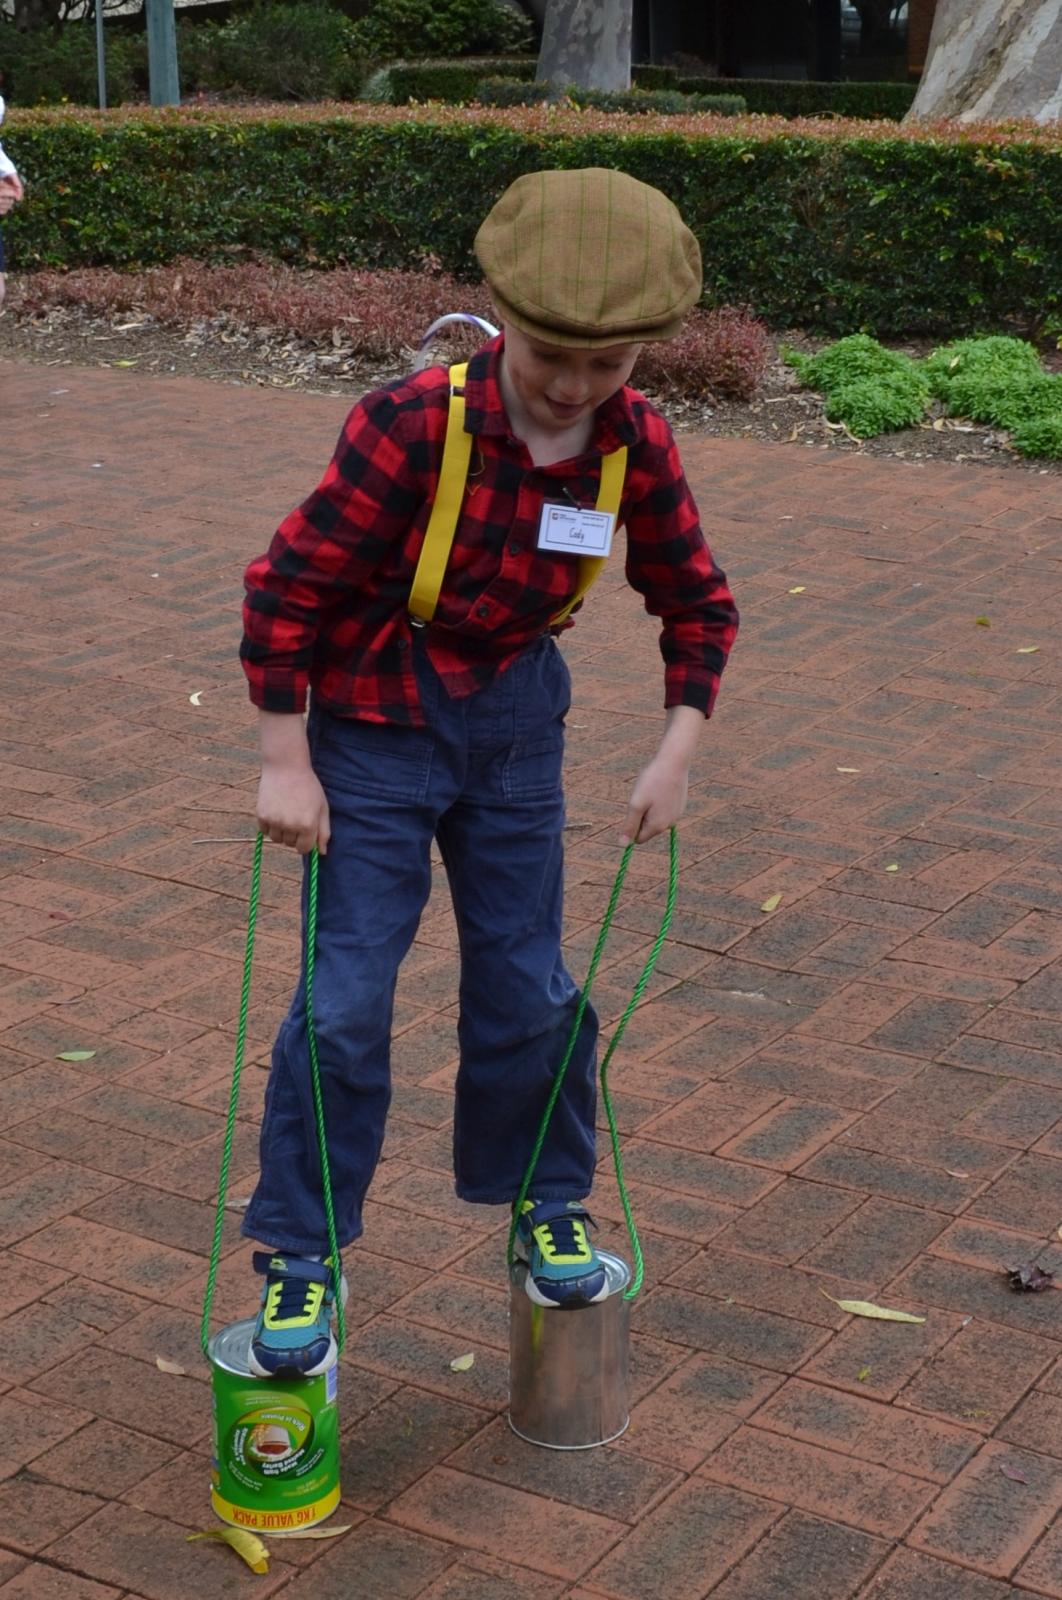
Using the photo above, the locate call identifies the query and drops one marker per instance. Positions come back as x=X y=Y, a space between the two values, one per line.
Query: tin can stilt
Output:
x=568 y=1369
x=276 y=1441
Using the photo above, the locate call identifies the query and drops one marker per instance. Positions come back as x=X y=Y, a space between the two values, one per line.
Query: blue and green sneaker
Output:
x=292 y=1336
x=564 y=1269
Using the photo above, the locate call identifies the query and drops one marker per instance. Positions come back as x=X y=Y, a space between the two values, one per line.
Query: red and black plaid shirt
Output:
x=326 y=605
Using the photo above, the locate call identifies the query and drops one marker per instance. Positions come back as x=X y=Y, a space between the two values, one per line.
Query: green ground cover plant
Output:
x=826 y=226
x=996 y=380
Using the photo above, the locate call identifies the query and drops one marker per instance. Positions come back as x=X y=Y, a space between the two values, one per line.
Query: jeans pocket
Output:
x=381 y=759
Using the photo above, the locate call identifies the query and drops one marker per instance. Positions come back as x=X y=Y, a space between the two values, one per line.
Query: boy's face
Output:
x=557 y=387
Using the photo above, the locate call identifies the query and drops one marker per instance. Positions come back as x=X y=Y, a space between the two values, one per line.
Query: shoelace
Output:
x=296 y=1299
x=561 y=1232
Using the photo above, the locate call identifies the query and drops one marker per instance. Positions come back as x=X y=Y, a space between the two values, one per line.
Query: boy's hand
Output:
x=658 y=799
x=292 y=808
x=11 y=192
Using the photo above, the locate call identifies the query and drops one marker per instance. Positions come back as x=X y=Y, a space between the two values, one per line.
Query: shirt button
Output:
x=483 y=611
x=403 y=644
x=514 y=548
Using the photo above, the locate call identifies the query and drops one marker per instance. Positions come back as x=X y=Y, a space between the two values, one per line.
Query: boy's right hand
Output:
x=292 y=808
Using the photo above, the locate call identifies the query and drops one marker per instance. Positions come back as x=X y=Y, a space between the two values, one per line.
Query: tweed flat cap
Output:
x=589 y=257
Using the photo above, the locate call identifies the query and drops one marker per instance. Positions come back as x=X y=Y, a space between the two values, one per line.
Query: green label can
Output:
x=276 y=1441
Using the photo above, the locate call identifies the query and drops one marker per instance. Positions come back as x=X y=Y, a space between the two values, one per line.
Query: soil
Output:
x=223 y=351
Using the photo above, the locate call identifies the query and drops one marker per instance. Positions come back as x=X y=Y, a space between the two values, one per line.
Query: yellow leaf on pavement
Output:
x=893 y=866
x=771 y=903
x=463 y=1363
x=801 y=588
x=169 y=1366
x=982 y=622
x=866 y=1308
x=1028 y=649
x=246 y=1545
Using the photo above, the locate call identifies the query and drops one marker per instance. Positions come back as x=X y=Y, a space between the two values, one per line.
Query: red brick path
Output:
x=857 y=1094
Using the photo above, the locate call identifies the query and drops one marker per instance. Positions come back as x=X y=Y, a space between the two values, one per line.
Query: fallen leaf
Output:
x=314 y=1533
x=848 y=769
x=239 y=1204
x=939 y=424
x=1028 y=649
x=863 y=1374
x=246 y=1545
x=866 y=1308
x=772 y=902
x=170 y=1366
x=194 y=698
x=801 y=588
x=462 y=1363
x=1012 y=1473
x=982 y=622
x=125 y=363
x=893 y=866
x=1029 y=1279
x=75 y=1055
x=952 y=1174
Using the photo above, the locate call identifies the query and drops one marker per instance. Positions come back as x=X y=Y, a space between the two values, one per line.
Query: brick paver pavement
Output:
x=857 y=1093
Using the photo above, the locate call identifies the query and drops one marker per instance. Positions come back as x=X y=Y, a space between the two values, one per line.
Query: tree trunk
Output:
x=587 y=42
x=993 y=59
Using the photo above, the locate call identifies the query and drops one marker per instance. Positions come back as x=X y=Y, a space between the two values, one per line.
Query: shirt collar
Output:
x=615 y=421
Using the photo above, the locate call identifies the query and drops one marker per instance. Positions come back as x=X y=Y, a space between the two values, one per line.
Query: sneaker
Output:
x=292 y=1336
x=564 y=1269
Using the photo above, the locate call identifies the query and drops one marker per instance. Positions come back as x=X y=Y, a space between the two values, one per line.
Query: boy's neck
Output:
x=544 y=447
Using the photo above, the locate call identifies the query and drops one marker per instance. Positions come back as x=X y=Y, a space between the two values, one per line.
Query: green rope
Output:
x=606 y=1097
x=234 y=1096
x=318 y=1104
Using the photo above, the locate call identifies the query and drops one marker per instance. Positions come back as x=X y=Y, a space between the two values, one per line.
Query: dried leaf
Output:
x=462 y=1363
x=1012 y=1473
x=952 y=1174
x=939 y=424
x=772 y=902
x=194 y=699
x=170 y=1366
x=1030 y=1279
x=75 y=1055
x=866 y=1308
x=125 y=363
x=848 y=769
x=863 y=1374
x=982 y=622
x=246 y=1545
x=801 y=588
x=893 y=866
x=1028 y=649
x=314 y=1533
x=238 y=1204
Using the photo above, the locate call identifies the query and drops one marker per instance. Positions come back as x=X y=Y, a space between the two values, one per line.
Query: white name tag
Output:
x=573 y=531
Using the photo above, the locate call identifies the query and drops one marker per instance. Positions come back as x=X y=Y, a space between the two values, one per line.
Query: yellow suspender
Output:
x=442 y=524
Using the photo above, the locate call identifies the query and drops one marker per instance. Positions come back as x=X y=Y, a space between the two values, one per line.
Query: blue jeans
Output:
x=484 y=780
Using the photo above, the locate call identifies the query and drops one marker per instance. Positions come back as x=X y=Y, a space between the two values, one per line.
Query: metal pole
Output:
x=101 y=59
x=162 y=53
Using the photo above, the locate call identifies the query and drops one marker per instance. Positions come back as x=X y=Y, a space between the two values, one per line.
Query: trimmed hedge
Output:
x=456 y=83
x=830 y=226
x=776 y=97
x=451 y=82
x=665 y=102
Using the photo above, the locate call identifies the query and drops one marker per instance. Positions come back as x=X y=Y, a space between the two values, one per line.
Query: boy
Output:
x=11 y=193
x=454 y=730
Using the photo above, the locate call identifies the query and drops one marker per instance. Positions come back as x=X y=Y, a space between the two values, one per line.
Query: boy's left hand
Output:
x=658 y=799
